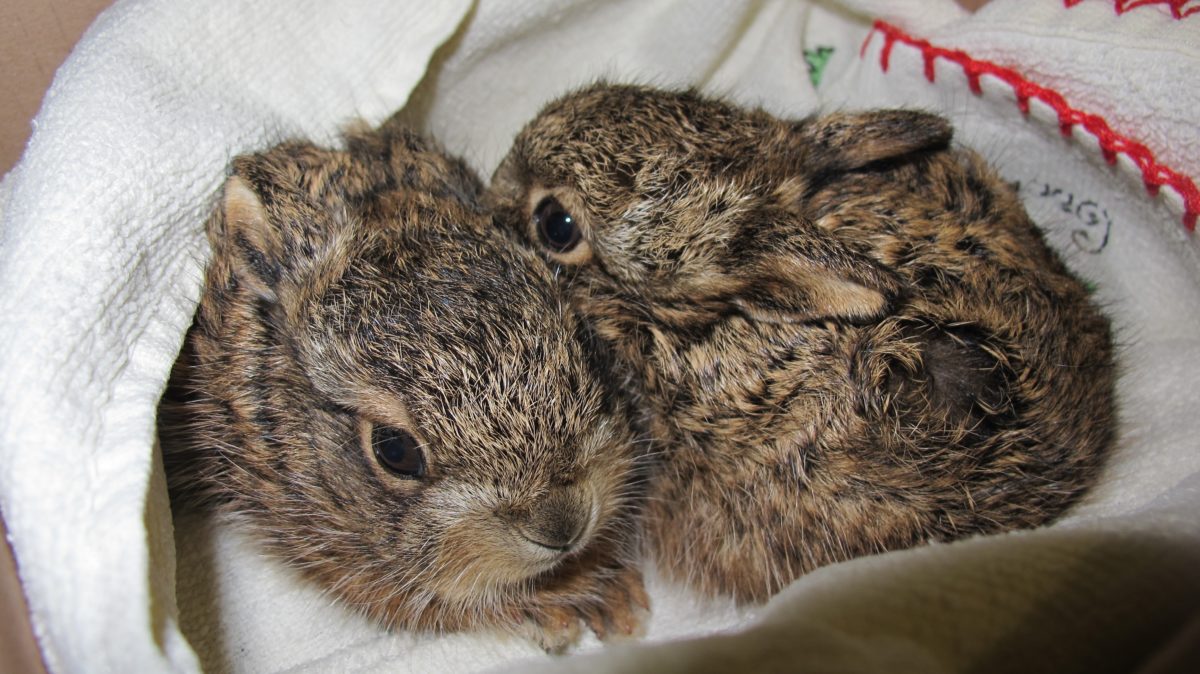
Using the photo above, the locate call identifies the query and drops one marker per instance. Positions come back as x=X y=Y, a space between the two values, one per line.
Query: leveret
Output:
x=845 y=332
x=397 y=400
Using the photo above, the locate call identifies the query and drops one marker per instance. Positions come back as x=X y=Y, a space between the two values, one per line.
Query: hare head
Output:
x=396 y=398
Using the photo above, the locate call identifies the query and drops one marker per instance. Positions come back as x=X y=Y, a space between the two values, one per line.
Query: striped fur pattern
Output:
x=847 y=335
x=363 y=288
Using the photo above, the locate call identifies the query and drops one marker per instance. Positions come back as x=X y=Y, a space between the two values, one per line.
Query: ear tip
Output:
x=930 y=128
x=890 y=296
x=849 y=140
x=240 y=202
x=237 y=184
x=940 y=127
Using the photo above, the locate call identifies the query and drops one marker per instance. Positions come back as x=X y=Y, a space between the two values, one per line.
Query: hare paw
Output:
x=621 y=609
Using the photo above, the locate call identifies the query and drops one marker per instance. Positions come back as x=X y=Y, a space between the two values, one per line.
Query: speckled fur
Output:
x=847 y=335
x=366 y=284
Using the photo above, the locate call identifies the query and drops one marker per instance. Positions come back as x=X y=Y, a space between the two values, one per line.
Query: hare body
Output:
x=848 y=336
x=396 y=399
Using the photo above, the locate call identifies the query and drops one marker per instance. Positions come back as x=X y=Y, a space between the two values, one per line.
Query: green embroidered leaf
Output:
x=817 y=59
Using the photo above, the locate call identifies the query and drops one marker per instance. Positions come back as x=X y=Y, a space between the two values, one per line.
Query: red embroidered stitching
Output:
x=1154 y=174
x=1179 y=8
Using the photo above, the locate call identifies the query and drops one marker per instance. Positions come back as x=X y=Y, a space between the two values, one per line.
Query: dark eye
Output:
x=556 y=228
x=398 y=451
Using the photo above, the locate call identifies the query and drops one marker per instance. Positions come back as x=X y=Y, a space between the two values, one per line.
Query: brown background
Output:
x=35 y=37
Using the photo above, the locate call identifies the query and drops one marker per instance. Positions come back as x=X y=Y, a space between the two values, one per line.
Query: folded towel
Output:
x=101 y=252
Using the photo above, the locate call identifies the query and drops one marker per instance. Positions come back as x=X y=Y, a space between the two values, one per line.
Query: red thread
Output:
x=1179 y=8
x=1154 y=174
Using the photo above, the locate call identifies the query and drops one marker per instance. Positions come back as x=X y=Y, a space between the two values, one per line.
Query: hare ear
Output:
x=848 y=141
x=809 y=275
x=257 y=244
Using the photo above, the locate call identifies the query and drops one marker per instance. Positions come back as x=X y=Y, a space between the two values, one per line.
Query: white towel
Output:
x=101 y=250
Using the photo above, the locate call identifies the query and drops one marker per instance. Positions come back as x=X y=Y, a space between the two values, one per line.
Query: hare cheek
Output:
x=479 y=557
x=609 y=490
x=472 y=554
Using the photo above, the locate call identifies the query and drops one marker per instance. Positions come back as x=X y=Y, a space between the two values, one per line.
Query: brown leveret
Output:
x=397 y=399
x=847 y=334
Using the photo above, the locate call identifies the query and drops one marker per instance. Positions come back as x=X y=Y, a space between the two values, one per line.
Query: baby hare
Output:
x=846 y=334
x=399 y=403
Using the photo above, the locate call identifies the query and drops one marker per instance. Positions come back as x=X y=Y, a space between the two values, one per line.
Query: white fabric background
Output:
x=101 y=251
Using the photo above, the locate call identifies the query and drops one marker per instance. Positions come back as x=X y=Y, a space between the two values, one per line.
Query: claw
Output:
x=623 y=607
x=554 y=628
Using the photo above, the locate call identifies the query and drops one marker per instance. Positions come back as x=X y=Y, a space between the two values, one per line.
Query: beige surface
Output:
x=35 y=37
x=17 y=650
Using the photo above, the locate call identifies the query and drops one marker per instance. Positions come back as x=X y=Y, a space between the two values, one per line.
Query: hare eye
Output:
x=556 y=228
x=398 y=451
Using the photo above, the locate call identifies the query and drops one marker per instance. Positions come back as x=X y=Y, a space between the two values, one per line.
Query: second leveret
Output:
x=396 y=401
x=845 y=332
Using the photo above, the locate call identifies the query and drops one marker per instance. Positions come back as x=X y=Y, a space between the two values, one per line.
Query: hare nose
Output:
x=558 y=524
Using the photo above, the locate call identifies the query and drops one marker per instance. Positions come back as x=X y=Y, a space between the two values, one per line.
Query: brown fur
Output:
x=847 y=335
x=362 y=287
